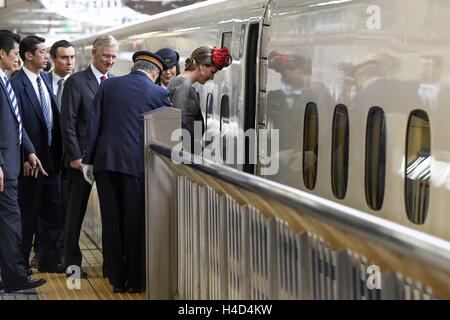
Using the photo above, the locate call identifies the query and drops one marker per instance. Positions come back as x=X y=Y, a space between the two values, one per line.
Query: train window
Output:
x=339 y=151
x=226 y=40
x=310 y=146
x=375 y=164
x=224 y=113
x=241 y=41
x=224 y=122
x=418 y=166
x=209 y=107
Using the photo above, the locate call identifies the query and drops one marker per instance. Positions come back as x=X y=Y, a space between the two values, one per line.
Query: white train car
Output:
x=359 y=91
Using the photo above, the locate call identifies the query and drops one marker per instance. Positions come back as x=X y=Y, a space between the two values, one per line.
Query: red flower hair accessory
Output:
x=221 y=58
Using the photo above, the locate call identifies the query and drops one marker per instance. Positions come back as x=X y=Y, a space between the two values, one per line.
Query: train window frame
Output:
x=310 y=144
x=419 y=165
x=209 y=108
x=251 y=92
x=340 y=186
x=227 y=39
x=375 y=169
x=222 y=119
x=242 y=40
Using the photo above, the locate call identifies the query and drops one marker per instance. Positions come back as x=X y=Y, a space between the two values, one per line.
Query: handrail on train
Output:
x=390 y=245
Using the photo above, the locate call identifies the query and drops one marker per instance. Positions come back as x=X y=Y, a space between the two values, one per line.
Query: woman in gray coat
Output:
x=200 y=67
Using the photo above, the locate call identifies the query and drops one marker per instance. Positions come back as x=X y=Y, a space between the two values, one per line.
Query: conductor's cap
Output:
x=151 y=57
x=170 y=57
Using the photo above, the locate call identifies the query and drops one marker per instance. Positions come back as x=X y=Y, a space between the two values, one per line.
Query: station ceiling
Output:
x=72 y=19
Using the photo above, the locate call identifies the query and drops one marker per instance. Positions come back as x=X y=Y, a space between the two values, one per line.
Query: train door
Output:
x=251 y=95
x=261 y=111
x=225 y=127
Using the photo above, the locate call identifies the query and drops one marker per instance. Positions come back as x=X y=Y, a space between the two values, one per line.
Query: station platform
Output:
x=94 y=288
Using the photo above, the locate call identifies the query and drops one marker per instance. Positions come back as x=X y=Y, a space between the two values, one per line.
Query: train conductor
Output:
x=114 y=146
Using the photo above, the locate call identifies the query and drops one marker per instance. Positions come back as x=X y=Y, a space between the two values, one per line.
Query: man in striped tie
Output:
x=14 y=144
x=39 y=199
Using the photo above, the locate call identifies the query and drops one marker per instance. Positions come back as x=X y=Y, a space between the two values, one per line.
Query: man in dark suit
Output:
x=115 y=148
x=14 y=144
x=62 y=53
x=39 y=199
x=76 y=106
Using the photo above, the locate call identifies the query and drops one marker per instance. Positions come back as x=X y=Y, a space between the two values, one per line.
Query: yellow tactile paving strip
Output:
x=94 y=288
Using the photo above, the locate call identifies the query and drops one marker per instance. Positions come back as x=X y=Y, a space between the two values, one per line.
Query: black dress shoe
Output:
x=84 y=274
x=28 y=271
x=135 y=290
x=118 y=289
x=54 y=269
x=28 y=284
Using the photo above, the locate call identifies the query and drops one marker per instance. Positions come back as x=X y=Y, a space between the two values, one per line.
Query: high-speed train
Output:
x=359 y=91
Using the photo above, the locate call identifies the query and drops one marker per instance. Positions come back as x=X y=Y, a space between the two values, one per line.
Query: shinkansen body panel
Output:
x=357 y=90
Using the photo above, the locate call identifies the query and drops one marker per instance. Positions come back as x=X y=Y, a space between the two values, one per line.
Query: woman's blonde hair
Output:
x=201 y=55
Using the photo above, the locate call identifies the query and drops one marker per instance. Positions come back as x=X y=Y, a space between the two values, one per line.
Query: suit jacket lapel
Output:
x=54 y=104
x=29 y=91
x=91 y=80
x=7 y=97
x=50 y=82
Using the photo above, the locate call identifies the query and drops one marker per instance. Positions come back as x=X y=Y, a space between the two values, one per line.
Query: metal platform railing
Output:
x=214 y=232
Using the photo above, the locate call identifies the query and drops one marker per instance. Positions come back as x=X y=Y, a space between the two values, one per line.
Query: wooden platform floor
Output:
x=94 y=288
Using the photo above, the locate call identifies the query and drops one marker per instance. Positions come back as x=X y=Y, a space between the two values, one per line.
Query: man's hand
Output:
x=77 y=165
x=1 y=179
x=36 y=166
x=27 y=169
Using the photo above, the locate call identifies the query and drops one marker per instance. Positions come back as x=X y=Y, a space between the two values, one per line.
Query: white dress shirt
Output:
x=98 y=74
x=3 y=75
x=33 y=78
x=55 y=79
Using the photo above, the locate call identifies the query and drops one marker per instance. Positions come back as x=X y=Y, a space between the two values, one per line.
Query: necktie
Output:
x=102 y=78
x=59 y=92
x=13 y=99
x=45 y=111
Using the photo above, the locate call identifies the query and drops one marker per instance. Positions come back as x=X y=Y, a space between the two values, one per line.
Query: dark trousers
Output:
x=11 y=259
x=64 y=192
x=78 y=197
x=122 y=207
x=40 y=205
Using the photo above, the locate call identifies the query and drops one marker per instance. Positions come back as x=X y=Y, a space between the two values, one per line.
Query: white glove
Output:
x=88 y=173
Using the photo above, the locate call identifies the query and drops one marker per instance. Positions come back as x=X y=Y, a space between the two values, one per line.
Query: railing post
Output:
x=160 y=206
